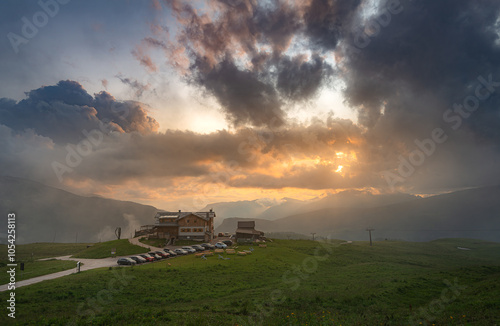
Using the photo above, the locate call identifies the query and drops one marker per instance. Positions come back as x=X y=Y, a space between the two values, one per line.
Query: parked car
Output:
x=171 y=252
x=220 y=245
x=189 y=249
x=198 y=248
x=138 y=259
x=162 y=254
x=125 y=261
x=148 y=257
x=155 y=255
x=228 y=242
x=180 y=251
x=226 y=234
x=207 y=246
x=220 y=234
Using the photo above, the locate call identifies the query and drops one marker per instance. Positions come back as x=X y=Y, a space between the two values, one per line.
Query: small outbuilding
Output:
x=246 y=232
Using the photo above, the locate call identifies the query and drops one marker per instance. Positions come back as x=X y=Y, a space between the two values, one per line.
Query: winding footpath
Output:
x=87 y=265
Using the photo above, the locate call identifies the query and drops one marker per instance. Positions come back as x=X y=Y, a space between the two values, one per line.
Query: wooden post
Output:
x=370 y=232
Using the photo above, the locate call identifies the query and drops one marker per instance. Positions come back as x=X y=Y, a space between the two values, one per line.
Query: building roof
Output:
x=178 y=215
x=246 y=224
x=248 y=231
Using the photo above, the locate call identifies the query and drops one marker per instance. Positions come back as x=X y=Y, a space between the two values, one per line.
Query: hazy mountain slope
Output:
x=244 y=208
x=272 y=210
x=287 y=207
x=46 y=214
x=355 y=198
x=473 y=213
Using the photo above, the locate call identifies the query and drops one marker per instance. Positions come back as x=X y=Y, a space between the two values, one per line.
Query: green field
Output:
x=34 y=251
x=291 y=282
x=36 y=268
x=122 y=247
x=187 y=242
x=29 y=255
x=159 y=243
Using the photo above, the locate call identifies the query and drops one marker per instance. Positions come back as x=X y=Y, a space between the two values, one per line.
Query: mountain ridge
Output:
x=422 y=219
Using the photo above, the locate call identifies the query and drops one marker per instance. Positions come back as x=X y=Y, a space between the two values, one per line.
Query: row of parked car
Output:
x=169 y=253
x=143 y=258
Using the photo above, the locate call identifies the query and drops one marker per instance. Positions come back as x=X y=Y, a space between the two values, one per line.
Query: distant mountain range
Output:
x=272 y=210
x=46 y=214
x=473 y=213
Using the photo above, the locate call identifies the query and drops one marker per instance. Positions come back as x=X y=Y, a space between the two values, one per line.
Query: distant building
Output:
x=181 y=225
x=246 y=232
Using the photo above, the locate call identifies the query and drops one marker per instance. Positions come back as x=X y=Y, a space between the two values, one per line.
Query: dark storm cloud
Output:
x=66 y=91
x=426 y=61
x=299 y=79
x=437 y=47
x=327 y=21
x=246 y=98
x=240 y=55
x=64 y=111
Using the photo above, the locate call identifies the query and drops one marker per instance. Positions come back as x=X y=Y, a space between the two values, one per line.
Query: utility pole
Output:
x=370 y=231
x=313 y=233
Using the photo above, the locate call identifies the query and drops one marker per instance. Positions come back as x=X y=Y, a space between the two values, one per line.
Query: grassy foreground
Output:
x=29 y=255
x=291 y=282
x=36 y=268
x=122 y=247
x=35 y=251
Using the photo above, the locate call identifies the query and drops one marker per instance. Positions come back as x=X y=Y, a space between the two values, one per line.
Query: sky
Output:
x=180 y=104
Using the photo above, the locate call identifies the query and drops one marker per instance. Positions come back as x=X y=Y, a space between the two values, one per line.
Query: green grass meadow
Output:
x=159 y=243
x=35 y=251
x=291 y=282
x=29 y=255
x=122 y=247
x=36 y=268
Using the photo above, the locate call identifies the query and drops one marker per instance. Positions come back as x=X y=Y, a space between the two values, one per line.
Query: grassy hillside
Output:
x=122 y=247
x=153 y=242
x=29 y=255
x=291 y=282
x=34 y=251
x=35 y=269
